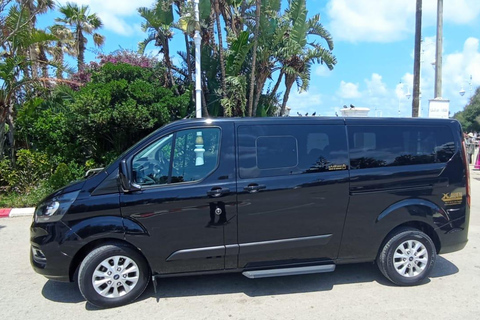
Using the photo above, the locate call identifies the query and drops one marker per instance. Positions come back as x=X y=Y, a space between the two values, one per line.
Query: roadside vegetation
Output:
x=57 y=120
x=469 y=117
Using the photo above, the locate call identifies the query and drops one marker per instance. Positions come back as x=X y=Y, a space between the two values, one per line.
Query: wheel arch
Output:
x=419 y=225
x=92 y=245
x=420 y=214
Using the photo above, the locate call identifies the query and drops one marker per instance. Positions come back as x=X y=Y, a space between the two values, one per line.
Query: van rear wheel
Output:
x=407 y=257
x=113 y=275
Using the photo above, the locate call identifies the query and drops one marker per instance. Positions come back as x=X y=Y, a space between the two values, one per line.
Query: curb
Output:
x=16 y=212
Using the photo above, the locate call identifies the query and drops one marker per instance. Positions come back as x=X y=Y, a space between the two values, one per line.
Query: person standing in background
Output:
x=470 y=145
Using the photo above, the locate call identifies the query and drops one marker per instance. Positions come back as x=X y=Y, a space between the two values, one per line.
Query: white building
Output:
x=355 y=112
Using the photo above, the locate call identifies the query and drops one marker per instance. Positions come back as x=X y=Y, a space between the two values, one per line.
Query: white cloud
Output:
x=457 y=69
x=348 y=90
x=114 y=12
x=322 y=71
x=394 y=100
x=393 y=20
x=376 y=95
x=460 y=11
x=307 y=101
x=366 y=20
x=375 y=85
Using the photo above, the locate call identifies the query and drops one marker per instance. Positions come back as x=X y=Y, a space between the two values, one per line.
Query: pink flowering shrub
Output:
x=120 y=56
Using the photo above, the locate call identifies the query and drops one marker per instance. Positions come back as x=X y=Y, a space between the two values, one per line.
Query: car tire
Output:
x=407 y=257
x=113 y=275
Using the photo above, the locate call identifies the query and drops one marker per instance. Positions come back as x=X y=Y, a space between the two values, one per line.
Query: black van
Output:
x=266 y=197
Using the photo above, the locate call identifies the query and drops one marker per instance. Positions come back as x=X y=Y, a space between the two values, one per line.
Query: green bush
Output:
x=7 y=176
x=66 y=131
x=32 y=168
x=469 y=117
x=61 y=177
x=65 y=174
x=19 y=200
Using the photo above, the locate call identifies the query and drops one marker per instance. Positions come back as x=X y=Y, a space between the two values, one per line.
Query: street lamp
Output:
x=198 y=87
x=408 y=94
x=462 y=91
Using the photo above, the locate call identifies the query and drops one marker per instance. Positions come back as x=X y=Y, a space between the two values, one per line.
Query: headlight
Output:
x=54 y=209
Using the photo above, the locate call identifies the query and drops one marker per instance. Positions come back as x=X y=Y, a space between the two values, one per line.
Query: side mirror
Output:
x=124 y=179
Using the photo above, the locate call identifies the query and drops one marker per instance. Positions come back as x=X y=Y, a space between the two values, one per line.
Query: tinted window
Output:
x=276 y=152
x=380 y=146
x=194 y=153
x=150 y=166
x=273 y=150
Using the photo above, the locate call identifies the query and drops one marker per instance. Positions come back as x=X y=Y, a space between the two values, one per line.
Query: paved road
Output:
x=351 y=292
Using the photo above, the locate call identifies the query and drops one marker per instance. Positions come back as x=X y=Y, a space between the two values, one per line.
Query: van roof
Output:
x=325 y=120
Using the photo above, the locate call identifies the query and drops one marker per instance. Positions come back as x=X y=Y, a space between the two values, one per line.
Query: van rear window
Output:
x=382 y=146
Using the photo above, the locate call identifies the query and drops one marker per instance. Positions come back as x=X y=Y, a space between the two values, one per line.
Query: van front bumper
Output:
x=46 y=255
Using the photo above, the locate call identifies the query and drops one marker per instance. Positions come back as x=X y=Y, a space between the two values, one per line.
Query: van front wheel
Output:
x=407 y=258
x=113 y=275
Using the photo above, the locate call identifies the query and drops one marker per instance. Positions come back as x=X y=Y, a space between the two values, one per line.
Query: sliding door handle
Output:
x=218 y=192
x=252 y=188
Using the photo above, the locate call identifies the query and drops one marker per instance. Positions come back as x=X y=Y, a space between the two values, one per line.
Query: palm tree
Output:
x=33 y=8
x=298 y=54
x=81 y=22
x=158 y=23
x=16 y=85
x=258 y=4
x=64 y=44
x=269 y=38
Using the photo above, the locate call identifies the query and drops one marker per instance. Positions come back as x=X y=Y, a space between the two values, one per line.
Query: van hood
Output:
x=74 y=186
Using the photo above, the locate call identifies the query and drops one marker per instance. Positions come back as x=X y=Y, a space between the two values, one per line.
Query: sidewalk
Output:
x=16 y=212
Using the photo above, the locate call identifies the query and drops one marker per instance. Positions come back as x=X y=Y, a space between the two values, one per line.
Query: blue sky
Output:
x=374 y=41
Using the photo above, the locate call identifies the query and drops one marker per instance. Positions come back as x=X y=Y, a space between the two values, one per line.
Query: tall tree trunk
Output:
x=275 y=88
x=43 y=60
x=58 y=58
x=254 y=59
x=11 y=134
x=189 y=59
x=189 y=71
x=168 y=64
x=289 y=80
x=205 y=113
x=262 y=78
x=34 y=60
x=32 y=48
x=220 y=52
x=2 y=138
x=81 y=49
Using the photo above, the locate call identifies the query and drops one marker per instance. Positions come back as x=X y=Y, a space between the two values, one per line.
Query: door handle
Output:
x=252 y=188
x=218 y=192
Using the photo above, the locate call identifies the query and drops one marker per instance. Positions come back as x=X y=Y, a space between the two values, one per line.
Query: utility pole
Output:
x=198 y=87
x=439 y=107
x=416 y=62
x=438 y=52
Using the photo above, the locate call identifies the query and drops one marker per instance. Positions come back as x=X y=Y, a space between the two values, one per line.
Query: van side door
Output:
x=292 y=191
x=187 y=196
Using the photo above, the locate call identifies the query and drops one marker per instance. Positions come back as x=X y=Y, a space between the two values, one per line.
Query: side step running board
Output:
x=288 y=271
